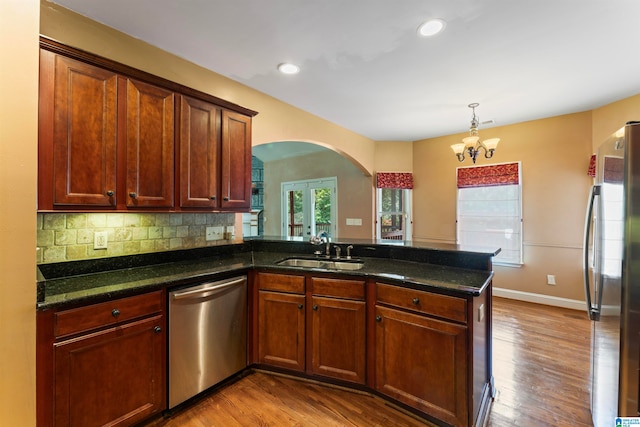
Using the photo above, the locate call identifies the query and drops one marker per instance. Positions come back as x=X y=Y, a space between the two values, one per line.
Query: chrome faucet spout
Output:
x=322 y=237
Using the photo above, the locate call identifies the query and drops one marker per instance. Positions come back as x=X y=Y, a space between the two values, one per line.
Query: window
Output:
x=394 y=205
x=489 y=213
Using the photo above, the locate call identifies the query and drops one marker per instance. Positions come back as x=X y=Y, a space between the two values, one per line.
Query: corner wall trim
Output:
x=540 y=299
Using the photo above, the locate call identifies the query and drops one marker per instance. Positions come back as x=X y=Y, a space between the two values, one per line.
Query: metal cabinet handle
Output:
x=157 y=329
x=110 y=193
x=226 y=199
x=115 y=312
x=133 y=195
x=378 y=318
x=416 y=301
x=315 y=307
x=212 y=197
x=300 y=306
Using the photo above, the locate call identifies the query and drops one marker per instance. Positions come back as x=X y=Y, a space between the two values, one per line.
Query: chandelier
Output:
x=472 y=144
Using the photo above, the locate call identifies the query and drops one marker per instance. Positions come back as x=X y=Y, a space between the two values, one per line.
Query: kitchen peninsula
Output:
x=410 y=322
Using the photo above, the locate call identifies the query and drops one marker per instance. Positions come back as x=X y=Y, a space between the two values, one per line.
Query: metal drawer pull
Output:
x=300 y=306
x=115 y=312
x=416 y=301
x=378 y=318
x=133 y=195
x=200 y=292
x=157 y=329
x=110 y=193
x=315 y=308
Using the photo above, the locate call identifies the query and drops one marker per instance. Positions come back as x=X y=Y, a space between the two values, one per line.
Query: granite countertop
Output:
x=87 y=282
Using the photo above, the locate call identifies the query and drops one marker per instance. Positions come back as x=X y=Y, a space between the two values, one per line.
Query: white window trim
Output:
x=408 y=214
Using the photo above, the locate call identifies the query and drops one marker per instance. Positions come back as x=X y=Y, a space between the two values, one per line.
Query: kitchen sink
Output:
x=322 y=263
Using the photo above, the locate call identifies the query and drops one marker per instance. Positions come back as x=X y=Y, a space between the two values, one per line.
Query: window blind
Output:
x=489 y=210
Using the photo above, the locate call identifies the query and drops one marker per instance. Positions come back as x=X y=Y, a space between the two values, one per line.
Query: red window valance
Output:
x=401 y=180
x=485 y=176
x=592 y=166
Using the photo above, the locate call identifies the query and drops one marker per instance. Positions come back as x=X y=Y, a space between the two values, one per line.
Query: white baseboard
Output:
x=540 y=299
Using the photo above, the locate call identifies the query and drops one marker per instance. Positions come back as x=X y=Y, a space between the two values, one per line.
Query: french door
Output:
x=309 y=208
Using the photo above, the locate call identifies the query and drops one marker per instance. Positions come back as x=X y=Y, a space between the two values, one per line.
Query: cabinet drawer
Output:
x=341 y=288
x=281 y=283
x=423 y=302
x=106 y=313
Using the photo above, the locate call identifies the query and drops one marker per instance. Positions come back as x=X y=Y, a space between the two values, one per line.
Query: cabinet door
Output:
x=199 y=153
x=338 y=338
x=236 y=161
x=281 y=330
x=113 y=377
x=78 y=129
x=423 y=362
x=149 y=113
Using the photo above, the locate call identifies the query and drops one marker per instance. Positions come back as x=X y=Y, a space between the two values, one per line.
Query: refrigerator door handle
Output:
x=591 y=310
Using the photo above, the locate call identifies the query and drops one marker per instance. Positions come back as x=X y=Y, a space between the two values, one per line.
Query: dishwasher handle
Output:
x=207 y=291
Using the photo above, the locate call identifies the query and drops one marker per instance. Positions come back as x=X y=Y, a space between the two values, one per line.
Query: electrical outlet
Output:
x=215 y=233
x=551 y=279
x=100 y=240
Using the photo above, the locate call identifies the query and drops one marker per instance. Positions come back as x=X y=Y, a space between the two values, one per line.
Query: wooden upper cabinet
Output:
x=78 y=130
x=199 y=140
x=149 y=113
x=109 y=140
x=236 y=161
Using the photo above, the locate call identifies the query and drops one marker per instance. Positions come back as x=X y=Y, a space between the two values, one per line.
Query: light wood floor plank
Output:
x=541 y=369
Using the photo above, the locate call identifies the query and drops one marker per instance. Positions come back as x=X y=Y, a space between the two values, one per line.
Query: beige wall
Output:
x=355 y=190
x=393 y=156
x=555 y=156
x=611 y=117
x=18 y=144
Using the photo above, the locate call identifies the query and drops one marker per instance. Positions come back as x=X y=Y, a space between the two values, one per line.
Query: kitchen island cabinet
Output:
x=107 y=362
x=431 y=371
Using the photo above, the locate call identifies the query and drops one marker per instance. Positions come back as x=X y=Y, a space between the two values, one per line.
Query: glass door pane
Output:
x=294 y=213
x=309 y=208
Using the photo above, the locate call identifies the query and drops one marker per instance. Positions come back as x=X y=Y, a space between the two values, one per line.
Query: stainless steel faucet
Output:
x=322 y=237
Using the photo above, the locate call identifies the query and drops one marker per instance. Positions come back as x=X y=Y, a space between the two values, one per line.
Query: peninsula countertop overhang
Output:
x=439 y=268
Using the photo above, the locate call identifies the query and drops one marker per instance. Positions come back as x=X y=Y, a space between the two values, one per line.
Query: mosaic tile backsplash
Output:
x=70 y=236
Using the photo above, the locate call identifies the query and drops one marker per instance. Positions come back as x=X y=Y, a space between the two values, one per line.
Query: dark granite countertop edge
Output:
x=61 y=291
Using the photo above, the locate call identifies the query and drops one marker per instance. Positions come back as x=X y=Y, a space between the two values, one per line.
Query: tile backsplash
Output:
x=70 y=236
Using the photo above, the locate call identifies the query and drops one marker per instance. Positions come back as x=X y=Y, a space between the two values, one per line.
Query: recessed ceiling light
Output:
x=431 y=27
x=288 y=68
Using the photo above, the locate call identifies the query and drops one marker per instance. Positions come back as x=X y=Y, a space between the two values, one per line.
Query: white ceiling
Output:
x=365 y=68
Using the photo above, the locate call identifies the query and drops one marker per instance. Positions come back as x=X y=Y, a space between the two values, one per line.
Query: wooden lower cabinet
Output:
x=422 y=362
x=337 y=345
x=102 y=364
x=281 y=330
x=326 y=337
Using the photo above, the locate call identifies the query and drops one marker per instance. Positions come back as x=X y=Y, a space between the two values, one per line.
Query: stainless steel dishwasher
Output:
x=207 y=336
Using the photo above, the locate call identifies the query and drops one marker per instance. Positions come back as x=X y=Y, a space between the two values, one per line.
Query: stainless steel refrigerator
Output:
x=612 y=277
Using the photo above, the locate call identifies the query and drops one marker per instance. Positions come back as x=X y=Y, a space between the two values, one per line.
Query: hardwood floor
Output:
x=541 y=363
x=541 y=369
